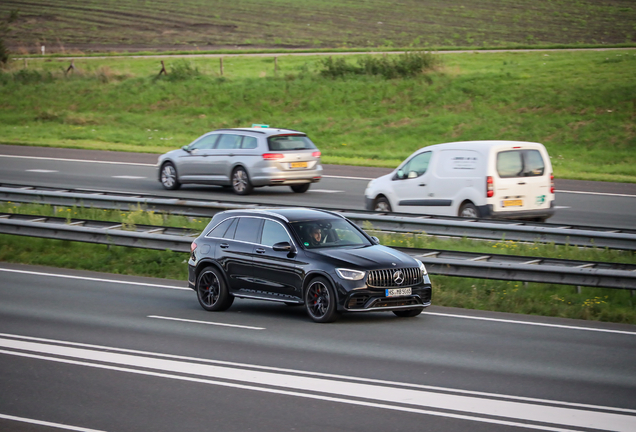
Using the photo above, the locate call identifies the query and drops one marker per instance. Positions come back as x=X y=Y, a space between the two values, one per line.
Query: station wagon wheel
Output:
x=320 y=301
x=382 y=205
x=301 y=188
x=169 y=178
x=241 y=182
x=212 y=291
x=408 y=313
x=468 y=210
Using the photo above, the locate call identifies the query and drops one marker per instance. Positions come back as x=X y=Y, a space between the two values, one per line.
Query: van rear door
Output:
x=522 y=180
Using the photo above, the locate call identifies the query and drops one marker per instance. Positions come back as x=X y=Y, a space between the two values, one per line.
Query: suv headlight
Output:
x=350 y=274
x=422 y=267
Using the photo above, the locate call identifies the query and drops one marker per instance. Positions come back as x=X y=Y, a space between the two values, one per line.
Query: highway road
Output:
x=578 y=202
x=101 y=352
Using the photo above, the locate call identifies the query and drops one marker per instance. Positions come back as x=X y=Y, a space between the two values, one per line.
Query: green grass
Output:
x=505 y=296
x=579 y=104
x=91 y=25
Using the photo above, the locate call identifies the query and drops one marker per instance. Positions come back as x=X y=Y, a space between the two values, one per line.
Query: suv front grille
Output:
x=387 y=278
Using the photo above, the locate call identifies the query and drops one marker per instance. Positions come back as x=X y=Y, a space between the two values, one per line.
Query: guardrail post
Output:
x=578 y=289
x=221 y=65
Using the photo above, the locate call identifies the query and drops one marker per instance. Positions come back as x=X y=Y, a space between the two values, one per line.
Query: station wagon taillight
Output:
x=316 y=154
x=490 y=187
x=273 y=155
x=193 y=247
x=551 y=183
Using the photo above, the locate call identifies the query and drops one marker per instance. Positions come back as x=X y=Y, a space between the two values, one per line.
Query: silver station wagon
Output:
x=244 y=158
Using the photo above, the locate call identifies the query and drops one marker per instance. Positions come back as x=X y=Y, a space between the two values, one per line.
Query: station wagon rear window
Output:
x=290 y=142
x=520 y=163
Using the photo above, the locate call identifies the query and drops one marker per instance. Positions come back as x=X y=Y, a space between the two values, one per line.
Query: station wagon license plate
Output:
x=298 y=165
x=396 y=292
x=513 y=203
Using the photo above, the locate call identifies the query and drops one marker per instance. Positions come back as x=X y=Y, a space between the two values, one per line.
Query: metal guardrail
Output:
x=466 y=264
x=432 y=225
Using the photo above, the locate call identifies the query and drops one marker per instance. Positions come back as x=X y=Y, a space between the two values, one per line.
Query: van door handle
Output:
x=224 y=245
x=260 y=250
x=422 y=184
x=522 y=183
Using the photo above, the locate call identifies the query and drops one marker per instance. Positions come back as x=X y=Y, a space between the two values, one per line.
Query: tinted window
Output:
x=249 y=143
x=228 y=142
x=229 y=234
x=290 y=142
x=273 y=233
x=520 y=163
x=248 y=229
x=220 y=229
x=205 y=142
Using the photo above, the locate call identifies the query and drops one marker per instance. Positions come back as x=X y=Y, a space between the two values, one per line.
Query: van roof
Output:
x=484 y=145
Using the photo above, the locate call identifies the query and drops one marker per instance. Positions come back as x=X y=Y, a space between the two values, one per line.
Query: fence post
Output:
x=221 y=65
x=275 y=65
x=163 y=69
x=70 y=68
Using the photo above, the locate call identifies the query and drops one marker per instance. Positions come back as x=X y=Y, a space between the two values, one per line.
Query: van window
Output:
x=416 y=166
x=520 y=163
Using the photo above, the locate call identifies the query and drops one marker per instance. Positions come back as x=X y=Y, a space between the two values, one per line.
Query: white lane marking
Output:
x=349 y=178
x=532 y=323
x=129 y=177
x=94 y=279
x=562 y=207
x=471 y=408
x=319 y=374
x=325 y=191
x=41 y=171
x=49 y=424
x=597 y=193
x=77 y=160
x=206 y=322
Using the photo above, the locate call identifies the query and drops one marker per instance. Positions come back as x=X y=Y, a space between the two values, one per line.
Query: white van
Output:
x=476 y=179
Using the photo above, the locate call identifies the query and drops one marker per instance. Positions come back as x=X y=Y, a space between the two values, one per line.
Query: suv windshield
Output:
x=329 y=233
x=290 y=142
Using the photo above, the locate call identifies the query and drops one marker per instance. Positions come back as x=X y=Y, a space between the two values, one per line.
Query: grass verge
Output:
x=600 y=304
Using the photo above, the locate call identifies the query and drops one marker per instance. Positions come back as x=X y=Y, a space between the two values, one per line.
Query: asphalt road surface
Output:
x=100 y=352
x=601 y=204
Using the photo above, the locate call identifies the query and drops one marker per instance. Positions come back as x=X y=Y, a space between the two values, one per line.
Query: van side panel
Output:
x=459 y=174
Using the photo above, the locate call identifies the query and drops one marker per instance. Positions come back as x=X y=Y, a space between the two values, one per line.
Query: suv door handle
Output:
x=224 y=245
x=260 y=250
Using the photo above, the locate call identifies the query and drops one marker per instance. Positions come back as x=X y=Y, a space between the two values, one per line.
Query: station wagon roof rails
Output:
x=240 y=129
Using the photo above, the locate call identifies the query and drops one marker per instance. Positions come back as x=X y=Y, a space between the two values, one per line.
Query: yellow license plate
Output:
x=298 y=165
x=512 y=203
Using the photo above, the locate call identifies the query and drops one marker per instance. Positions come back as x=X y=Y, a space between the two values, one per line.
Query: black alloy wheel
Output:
x=212 y=291
x=169 y=178
x=301 y=188
x=320 y=301
x=408 y=313
x=382 y=205
x=241 y=182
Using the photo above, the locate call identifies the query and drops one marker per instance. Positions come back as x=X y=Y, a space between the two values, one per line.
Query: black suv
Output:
x=303 y=256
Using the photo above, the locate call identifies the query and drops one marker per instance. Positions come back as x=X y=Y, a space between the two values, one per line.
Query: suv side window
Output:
x=249 y=142
x=248 y=229
x=273 y=233
x=416 y=166
x=228 y=142
x=220 y=230
x=206 y=142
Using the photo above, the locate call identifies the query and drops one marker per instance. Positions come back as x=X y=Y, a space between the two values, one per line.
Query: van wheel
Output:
x=468 y=210
x=382 y=205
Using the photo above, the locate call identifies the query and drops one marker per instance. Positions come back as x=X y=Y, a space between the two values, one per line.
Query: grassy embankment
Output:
x=579 y=104
x=504 y=296
x=98 y=25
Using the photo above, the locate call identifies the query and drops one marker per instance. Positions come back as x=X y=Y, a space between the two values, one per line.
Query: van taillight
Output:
x=490 y=187
x=273 y=156
x=551 y=183
x=193 y=247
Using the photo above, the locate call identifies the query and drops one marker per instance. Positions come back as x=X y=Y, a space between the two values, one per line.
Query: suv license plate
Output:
x=298 y=165
x=396 y=292
x=513 y=203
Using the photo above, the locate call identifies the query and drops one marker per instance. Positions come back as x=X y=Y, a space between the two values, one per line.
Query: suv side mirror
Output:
x=375 y=240
x=283 y=247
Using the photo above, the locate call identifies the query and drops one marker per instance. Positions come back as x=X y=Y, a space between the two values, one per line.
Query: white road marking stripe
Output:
x=94 y=279
x=363 y=394
x=349 y=178
x=49 y=424
x=129 y=177
x=597 y=193
x=41 y=171
x=531 y=323
x=562 y=207
x=206 y=322
x=77 y=160
x=325 y=191
x=320 y=374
